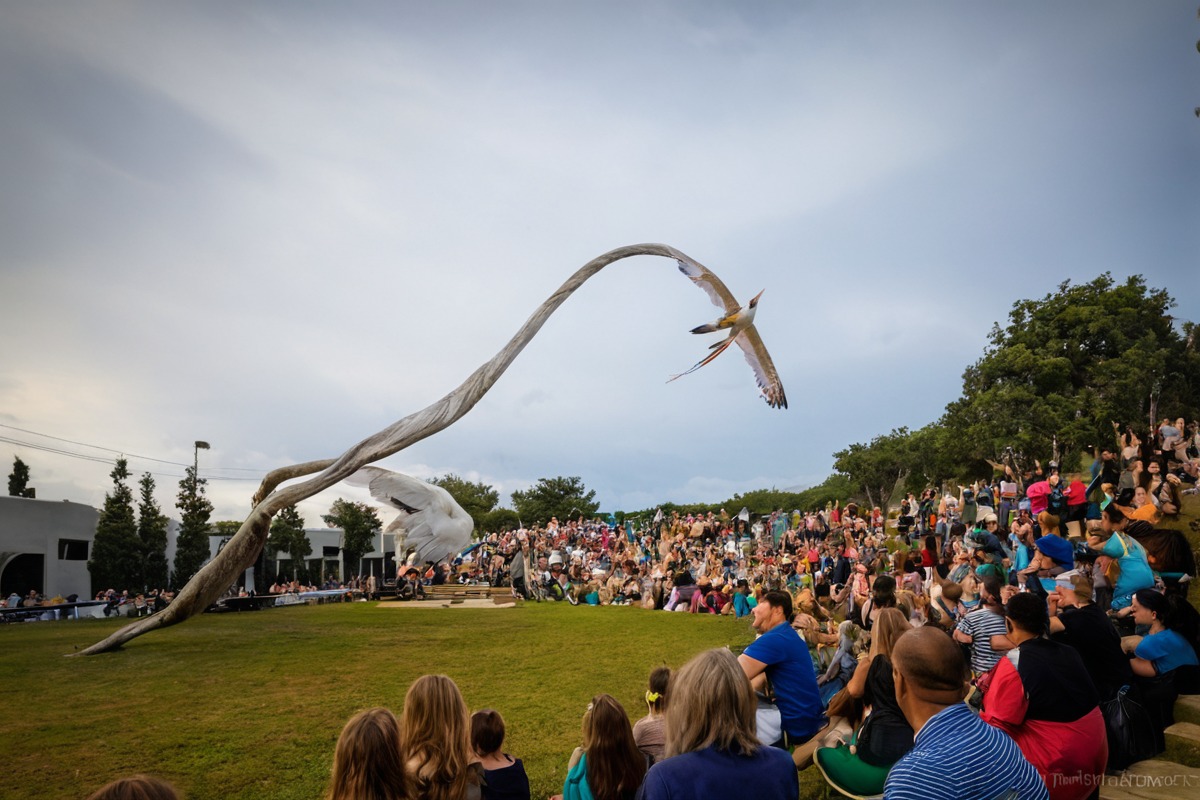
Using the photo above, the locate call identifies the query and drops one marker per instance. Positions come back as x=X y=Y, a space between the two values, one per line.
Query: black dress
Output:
x=886 y=735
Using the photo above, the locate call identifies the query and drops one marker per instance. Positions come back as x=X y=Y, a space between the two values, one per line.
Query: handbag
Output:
x=1130 y=731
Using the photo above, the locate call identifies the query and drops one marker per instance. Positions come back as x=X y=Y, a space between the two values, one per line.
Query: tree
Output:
x=1070 y=364
x=877 y=468
x=498 y=520
x=116 y=561
x=287 y=535
x=18 y=480
x=565 y=498
x=477 y=499
x=359 y=524
x=191 y=548
x=152 y=533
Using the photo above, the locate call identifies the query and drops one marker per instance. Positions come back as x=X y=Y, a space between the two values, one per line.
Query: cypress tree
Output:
x=116 y=561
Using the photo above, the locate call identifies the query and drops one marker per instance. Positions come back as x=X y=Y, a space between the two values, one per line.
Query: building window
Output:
x=72 y=550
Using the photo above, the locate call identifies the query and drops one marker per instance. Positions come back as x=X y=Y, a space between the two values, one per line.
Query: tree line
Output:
x=1049 y=384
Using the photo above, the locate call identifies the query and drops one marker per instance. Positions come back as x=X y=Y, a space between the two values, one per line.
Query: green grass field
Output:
x=250 y=705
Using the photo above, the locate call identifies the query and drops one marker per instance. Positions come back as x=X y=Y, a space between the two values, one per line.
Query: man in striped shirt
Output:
x=955 y=755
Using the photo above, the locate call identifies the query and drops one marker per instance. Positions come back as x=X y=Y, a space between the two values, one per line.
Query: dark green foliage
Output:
x=1049 y=384
x=288 y=536
x=152 y=533
x=498 y=520
x=565 y=498
x=191 y=548
x=359 y=525
x=477 y=499
x=18 y=479
x=116 y=558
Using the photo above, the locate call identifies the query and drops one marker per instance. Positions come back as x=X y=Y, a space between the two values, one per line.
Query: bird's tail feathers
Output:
x=716 y=351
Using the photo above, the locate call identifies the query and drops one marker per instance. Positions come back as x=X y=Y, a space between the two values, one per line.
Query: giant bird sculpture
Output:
x=242 y=550
x=430 y=521
x=740 y=324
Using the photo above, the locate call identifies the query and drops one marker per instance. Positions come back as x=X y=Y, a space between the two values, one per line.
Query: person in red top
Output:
x=1041 y=696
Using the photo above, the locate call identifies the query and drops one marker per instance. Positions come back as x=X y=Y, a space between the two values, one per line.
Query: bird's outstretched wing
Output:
x=437 y=526
x=764 y=369
x=713 y=286
x=749 y=340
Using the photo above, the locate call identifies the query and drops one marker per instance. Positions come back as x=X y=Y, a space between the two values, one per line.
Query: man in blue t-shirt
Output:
x=782 y=657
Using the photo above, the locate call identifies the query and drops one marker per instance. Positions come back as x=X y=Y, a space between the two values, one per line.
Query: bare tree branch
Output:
x=242 y=550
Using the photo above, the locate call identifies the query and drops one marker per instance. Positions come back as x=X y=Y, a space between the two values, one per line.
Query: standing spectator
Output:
x=648 y=732
x=366 y=762
x=712 y=750
x=782 y=656
x=436 y=741
x=504 y=777
x=1042 y=697
x=609 y=765
x=954 y=751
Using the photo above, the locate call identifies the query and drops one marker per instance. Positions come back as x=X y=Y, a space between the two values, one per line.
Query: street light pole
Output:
x=196 y=458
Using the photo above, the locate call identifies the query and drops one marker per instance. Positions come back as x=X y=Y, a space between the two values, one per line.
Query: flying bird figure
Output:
x=740 y=324
x=430 y=521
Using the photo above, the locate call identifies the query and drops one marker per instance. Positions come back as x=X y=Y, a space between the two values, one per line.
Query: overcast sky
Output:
x=281 y=226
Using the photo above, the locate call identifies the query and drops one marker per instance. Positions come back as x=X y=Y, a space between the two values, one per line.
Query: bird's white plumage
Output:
x=438 y=528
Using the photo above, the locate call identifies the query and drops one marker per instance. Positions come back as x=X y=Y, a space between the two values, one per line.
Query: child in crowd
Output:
x=504 y=777
x=609 y=765
x=136 y=787
x=436 y=743
x=648 y=732
x=366 y=762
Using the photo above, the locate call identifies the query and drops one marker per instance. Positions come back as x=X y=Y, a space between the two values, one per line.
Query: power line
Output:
x=121 y=452
x=103 y=460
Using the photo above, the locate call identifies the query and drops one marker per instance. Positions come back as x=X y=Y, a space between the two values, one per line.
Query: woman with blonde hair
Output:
x=711 y=748
x=436 y=741
x=366 y=762
x=609 y=765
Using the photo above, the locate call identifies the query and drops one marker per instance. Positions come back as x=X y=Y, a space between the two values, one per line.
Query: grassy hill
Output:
x=250 y=705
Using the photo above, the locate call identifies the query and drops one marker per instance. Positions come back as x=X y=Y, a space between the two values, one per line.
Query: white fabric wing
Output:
x=438 y=528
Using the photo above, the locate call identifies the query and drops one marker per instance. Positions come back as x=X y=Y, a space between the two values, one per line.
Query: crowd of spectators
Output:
x=972 y=642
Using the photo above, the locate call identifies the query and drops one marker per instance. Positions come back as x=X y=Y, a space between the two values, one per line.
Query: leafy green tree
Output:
x=497 y=521
x=1068 y=365
x=879 y=467
x=116 y=561
x=565 y=498
x=477 y=499
x=288 y=536
x=152 y=533
x=18 y=480
x=359 y=524
x=191 y=548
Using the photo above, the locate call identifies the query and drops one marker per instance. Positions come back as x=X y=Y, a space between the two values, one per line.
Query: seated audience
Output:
x=648 y=732
x=859 y=764
x=782 y=657
x=366 y=762
x=136 y=787
x=608 y=766
x=712 y=750
x=1079 y=623
x=1042 y=697
x=504 y=777
x=955 y=754
x=436 y=742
